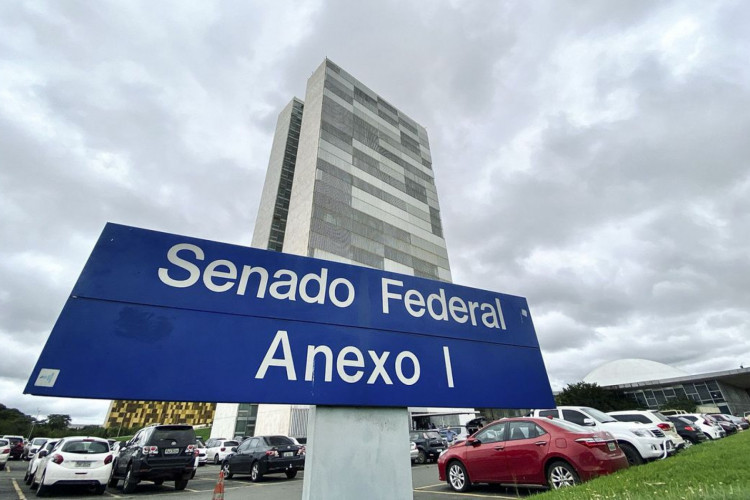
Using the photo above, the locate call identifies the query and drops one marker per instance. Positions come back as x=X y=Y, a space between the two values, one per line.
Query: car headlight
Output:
x=641 y=432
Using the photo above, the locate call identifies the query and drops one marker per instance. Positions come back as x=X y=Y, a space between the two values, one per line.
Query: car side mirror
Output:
x=43 y=453
x=473 y=442
x=589 y=421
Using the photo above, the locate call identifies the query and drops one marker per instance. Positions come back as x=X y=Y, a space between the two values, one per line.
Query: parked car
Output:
x=413 y=451
x=31 y=447
x=16 y=446
x=217 y=449
x=738 y=421
x=651 y=417
x=538 y=451
x=475 y=424
x=429 y=444
x=4 y=452
x=156 y=453
x=77 y=461
x=708 y=425
x=725 y=423
x=36 y=460
x=201 y=453
x=741 y=421
x=639 y=442
x=261 y=455
x=690 y=432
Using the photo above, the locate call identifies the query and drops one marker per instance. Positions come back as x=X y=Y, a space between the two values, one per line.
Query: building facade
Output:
x=128 y=414
x=349 y=179
x=653 y=385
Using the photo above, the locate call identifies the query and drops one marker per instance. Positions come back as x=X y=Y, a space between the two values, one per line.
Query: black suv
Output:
x=429 y=443
x=156 y=453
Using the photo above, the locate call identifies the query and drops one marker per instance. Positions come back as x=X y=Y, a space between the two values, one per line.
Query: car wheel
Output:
x=421 y=457
x=457 y=477
x=42 y=489
x=634 y=458
x=255 y=473
x=180 y=484
x=225 y=469
x=130 y=481
x=99 y=490
x=28 y=478
x=291 y=474
x=560 y=475
x=216 y=459
x=688 y=444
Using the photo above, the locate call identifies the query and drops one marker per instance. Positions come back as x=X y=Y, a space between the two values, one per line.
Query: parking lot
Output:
x=424 y=480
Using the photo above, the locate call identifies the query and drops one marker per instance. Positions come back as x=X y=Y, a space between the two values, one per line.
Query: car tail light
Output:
x=107 y=459
x=272 y=453
x=223 y=449
x=689 y=428
x=191 y=450
x=592 y=442
x=196 y=453
x=150 y=450
x=56 y=458
x=301 y=451
x=664 y=426
x=4 y=450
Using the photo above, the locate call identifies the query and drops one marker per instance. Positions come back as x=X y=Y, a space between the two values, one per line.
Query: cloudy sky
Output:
x=592 y=156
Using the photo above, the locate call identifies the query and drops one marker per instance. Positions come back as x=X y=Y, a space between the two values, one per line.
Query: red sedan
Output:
x=536 y=451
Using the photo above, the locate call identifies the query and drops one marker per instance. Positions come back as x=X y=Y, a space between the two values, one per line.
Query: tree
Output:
x=585 y=394
x=57 y=421
x=680 y=403
x=12 y=421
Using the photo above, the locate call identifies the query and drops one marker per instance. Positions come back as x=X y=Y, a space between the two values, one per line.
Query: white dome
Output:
x=628 y=371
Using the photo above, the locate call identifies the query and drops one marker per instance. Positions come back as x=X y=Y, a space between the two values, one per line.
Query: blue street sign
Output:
x=149 y=307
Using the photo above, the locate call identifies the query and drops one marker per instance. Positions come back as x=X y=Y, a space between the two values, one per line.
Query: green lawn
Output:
x=713 y=470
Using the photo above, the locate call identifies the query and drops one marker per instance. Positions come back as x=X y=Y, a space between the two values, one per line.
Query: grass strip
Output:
x=712 y=470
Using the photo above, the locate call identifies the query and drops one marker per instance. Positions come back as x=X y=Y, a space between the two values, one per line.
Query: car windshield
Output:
x=231 y=443
x=85 y=447
x=432 y=435
x=598 y=415
x=38 y=441
x=279 y=441
x=4 y=442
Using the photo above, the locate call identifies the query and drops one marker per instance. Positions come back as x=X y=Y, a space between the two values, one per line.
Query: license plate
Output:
x=288 y=453
x=83 y=464
x=611 y=446
x=171 y=451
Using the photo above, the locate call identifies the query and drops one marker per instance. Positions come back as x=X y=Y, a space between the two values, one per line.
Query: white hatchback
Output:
x=217 y=449
x=4 y=452
x=75 y=461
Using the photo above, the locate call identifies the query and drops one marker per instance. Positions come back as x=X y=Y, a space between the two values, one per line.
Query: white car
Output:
x=706 y=424
x=4 y=452
x=413 y=451
x=639 y=442
x=217 y=449
x=33 y=446
x=201 y=455
x=651 y=417
x=75 y=460
x=36 y=460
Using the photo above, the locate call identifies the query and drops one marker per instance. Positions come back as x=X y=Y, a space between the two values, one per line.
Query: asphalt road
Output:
x=424 y=480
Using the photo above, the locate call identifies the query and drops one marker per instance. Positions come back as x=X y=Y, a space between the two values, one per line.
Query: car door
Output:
x=126 y=453
x=485 y=458
x=525 y=451
x=243 y=458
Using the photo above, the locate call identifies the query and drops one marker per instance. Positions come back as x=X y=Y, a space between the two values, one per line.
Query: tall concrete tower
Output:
x=349 y=179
